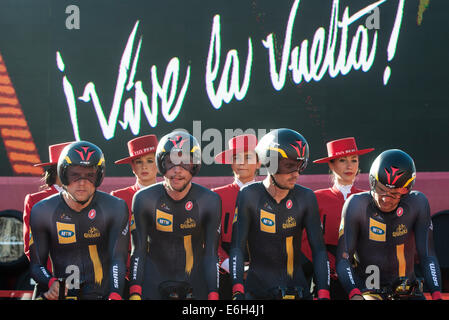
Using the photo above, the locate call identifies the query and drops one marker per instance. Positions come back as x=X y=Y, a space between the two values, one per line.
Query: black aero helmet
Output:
x=282 y=144
x=175 y=143
x=394 y=169
x=81 y=153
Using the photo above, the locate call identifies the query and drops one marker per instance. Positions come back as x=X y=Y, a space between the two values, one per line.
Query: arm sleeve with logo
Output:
x=142 y=222
x=428 y=261
x=211 y=235
x=240 y=229
x=312 y=224
x=347 y=243
x=40 y=219
x=118 y=247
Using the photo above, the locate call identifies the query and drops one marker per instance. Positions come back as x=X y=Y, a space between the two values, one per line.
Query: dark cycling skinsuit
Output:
x=273 y=233
x=183 y=239
x=94 y=240
x=385 y=240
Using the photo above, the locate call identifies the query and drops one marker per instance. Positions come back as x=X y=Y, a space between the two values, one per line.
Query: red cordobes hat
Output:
x=138 y=147
x=54 y=151
x=342 y=148
x=242 y=143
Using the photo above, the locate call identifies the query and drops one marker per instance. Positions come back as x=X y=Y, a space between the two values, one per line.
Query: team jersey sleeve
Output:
x=40 y=230
x=348 y=234
x=141 y=222
x=312 y=224
x=428 y=261
x=240 y=227
x=118 y=248
x=211 y=236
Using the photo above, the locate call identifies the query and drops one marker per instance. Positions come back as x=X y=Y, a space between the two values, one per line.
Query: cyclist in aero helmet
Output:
x=283 y=151
x=84 y=230
x=382 y=227
x=270 y=218
x=182 y=220
x=392 y=175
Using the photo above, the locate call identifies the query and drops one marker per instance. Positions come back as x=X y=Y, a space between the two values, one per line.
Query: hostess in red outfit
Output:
x=30 y=200
x=54 y=151
x=228 y=195
x=330 y=204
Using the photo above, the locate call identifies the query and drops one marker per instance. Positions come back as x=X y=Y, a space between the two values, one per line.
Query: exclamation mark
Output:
x=391 y=50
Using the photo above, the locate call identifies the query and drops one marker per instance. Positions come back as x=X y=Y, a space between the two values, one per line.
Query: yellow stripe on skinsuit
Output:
x=189 y=253
x=401 y=259
x=98 y=269
x=289 y=249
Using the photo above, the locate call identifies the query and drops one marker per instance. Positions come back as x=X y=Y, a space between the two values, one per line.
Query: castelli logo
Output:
x=189 y=205
x=92 y=213
x=399 y=212
x=289 y=204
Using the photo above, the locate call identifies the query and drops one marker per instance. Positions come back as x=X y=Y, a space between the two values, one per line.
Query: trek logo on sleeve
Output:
x=164 y=221
x=66 y=233
x=267 y=222
x=377 y=230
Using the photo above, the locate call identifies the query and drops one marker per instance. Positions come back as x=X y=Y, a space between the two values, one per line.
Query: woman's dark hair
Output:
x=49 y=176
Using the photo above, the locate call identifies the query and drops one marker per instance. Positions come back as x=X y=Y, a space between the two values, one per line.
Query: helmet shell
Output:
x=282 y=144
x=178 y=141
x=393 y=168
x=81 y=153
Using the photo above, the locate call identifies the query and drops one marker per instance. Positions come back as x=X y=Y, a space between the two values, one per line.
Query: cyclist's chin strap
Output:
x=273 y=180
x=76 y=200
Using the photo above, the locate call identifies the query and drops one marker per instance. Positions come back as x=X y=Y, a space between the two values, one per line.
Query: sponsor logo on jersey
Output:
x=31 y=239
x=164 y=206
x=289 y=204
x=189 y=205
x=400 y=230
x=399 y=211
x=92 y=213
x=341 y=229
x=289 y=223
x=92 y=233
x=132 y=225
x=188 y=224
x=65 y=217
x=235 y=215
x=377 y=230
x=164 y=221
x=267 y=222
x=66 y=232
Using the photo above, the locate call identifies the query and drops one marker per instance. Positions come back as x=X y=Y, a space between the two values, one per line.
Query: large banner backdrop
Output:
x=108 y=71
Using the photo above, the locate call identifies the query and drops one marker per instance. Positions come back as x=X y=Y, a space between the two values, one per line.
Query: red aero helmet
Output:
x=81 y=153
